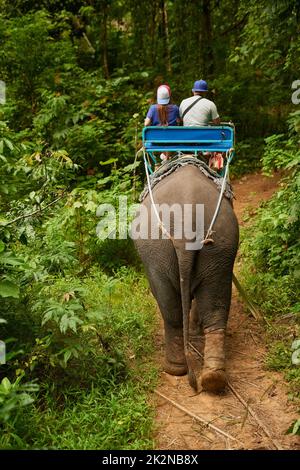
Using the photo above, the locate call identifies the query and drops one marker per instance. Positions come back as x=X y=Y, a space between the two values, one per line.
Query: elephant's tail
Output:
x=185 y=263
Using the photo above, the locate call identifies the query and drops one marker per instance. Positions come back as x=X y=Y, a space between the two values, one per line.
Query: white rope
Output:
x=160 y=223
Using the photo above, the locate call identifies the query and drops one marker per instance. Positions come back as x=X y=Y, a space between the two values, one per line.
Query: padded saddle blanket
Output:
x=170 y=166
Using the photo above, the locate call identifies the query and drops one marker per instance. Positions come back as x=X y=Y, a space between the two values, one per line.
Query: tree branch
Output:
x=236 y=25
x=26 y=216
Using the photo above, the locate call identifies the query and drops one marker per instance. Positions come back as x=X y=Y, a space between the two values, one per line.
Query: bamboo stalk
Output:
x=254 y=415
x=198 y=418
x=253 y=310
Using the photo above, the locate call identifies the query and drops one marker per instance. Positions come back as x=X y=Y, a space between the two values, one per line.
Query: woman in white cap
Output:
x=163 y=113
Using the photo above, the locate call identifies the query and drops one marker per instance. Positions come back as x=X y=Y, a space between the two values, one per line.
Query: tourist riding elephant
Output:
x=179 y=274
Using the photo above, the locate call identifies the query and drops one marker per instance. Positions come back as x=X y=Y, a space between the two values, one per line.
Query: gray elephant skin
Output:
x=180 y=278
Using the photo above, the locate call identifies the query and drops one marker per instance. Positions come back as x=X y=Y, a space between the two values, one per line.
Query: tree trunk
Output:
x=104 y=42
x=153 y=31
x=208 y=57
x=165 y=35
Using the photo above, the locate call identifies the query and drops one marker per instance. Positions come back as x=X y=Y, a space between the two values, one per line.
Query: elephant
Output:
x=179 y=276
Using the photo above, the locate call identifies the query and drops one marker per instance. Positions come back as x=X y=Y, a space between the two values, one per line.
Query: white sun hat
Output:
x=163 y=95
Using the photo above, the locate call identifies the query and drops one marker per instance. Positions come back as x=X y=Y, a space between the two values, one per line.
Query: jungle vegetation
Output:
x=77 y=78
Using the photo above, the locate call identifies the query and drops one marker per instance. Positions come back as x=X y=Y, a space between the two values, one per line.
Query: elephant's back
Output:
x=188 y=185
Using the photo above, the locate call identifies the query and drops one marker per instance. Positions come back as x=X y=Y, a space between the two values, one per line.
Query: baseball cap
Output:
x=163 y=94
x=200 y=85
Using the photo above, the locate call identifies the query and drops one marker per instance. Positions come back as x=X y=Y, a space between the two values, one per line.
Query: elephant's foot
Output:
x=213 y=378
x=175 y=361
x=175 y=369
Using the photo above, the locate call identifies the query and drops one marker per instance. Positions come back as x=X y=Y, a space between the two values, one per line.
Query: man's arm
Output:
x=216 y=121
x=215 y=118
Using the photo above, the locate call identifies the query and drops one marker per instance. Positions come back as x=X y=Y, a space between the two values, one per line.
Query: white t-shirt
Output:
x=200 y=114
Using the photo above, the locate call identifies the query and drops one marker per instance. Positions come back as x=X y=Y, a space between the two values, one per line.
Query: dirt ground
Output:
x=254 y=412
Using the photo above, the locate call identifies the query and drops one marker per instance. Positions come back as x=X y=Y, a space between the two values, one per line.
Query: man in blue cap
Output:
x=198 y=110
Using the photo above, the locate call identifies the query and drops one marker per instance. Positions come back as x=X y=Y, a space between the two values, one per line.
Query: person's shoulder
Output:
x=186 y=100
x=152 y=109
x=210 y=102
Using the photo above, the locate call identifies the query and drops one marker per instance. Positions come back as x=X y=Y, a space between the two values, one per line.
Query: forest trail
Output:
x=254 y=412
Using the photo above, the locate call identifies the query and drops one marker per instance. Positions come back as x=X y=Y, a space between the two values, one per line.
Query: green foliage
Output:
x=271 y=246
x=295 y=428
x=13 y=397
x=89 y=419
x=79 y=78
x=281 y=355
x=94 y=337
x=271 y=253
x=282 y=153
x=247 y=158
x=26 y=52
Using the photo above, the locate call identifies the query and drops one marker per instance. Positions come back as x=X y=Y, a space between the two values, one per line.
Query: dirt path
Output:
x=260 y=422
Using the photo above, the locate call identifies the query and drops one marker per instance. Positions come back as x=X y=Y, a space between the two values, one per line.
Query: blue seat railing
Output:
x=188 y=140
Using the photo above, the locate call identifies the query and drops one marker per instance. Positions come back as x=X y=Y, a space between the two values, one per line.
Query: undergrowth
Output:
x=92 y=358
x=270 y=254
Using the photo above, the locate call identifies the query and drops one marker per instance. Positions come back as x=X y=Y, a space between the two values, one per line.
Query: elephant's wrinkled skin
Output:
x=177 y=276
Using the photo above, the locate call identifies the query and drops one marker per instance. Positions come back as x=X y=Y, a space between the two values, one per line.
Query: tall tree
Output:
x=207 y=39
x=105 y=4
x=165 y=35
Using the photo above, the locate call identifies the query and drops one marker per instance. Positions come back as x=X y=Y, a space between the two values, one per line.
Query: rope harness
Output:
x=183 y=160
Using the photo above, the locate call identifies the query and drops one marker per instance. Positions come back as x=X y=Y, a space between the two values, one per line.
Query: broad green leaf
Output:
x=10 y=259
x=9 y=289
x=103 y=181
x=5 y=385
x=108 y=162
x=9 y=144
x=67 y=355
x=296 y=427
x=91 y=206
x=64 y=323
x=131 y=167
x=26 y=399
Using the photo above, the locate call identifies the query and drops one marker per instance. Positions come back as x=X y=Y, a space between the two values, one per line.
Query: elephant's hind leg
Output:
x=213 y=298
x=169 y=302
x=175 y=361
x=213 y=378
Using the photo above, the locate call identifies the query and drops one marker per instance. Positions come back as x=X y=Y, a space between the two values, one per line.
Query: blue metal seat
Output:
x=188 y=139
